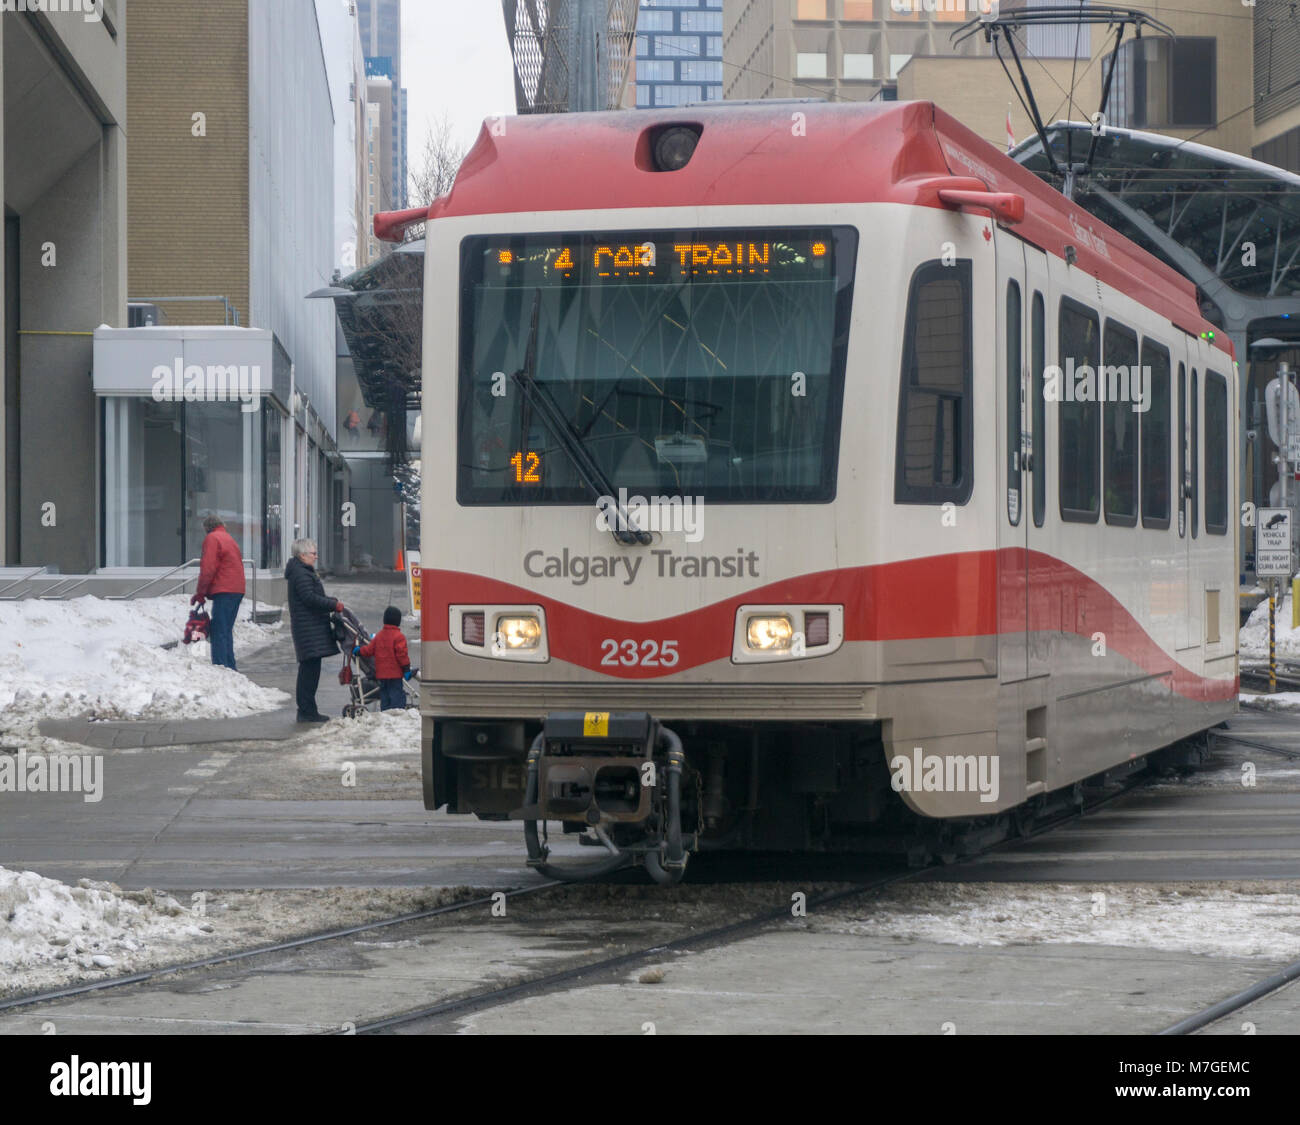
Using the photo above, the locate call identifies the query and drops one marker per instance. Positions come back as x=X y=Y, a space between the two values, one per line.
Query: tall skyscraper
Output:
x=678 y=52
x=381 y=40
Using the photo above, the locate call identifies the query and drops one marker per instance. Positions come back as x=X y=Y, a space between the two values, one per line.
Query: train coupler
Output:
x=610 y=773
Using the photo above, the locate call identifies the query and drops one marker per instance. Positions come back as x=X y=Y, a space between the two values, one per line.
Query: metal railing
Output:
x=249 y=563
x=18 y=582
x=232 y=312
x=63 y=593
x=60 y=590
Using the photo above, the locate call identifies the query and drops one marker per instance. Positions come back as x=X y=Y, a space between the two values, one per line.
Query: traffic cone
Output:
x=401 y=562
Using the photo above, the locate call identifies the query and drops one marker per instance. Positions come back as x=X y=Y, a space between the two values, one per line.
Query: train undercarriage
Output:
x=647 y=794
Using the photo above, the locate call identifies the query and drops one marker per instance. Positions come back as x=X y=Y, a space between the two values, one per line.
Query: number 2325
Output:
x=648 y=654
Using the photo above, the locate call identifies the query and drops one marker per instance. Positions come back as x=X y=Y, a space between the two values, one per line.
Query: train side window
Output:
x=1078 y=421
x=1155 y=436
x=1195 y=468
x=1180 y=489
x=1014 y=394
x=1119 y=430
x=1216 y=453
x=1038 y=328
x=934 y=460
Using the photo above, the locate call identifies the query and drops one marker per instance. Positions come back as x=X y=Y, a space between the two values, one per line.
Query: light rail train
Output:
x=805 y=476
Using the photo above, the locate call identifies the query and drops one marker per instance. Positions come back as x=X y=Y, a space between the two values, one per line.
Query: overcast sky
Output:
x=455 y=59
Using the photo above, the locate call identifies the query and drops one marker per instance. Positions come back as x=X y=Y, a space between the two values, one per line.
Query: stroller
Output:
x=358 y=672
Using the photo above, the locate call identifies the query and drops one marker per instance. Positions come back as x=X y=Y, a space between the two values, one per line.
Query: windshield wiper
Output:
x=589 y=470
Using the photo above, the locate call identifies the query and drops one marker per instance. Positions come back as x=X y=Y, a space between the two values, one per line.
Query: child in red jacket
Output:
x=392 y=663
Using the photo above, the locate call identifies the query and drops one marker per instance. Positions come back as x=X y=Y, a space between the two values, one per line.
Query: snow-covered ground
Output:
x=1282 y=701
x=372 y=737
x=1238 y=920
x=91 y=656
x=56 y=934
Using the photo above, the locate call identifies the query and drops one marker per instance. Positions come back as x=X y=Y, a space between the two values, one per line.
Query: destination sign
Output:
x=658 y=256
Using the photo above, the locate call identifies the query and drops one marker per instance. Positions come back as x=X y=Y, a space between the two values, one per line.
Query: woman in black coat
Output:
x=309 y=620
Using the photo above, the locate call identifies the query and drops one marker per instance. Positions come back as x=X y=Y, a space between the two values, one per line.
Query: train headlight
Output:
x=519 y=633
x=769 y=634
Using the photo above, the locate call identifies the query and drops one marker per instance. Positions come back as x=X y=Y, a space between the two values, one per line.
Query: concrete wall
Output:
x=291 y=191
x=975 y=91
x=8 y=362
x=1230 y=25
x=761 y=39
x=1277 y=125
x=345 y=64
x=63 y=106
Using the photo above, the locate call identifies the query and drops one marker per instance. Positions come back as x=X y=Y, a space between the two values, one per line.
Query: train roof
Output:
x=781 y=153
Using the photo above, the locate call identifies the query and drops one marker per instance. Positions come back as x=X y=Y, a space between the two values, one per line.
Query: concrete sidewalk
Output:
x=246 y=802
x=274 y=666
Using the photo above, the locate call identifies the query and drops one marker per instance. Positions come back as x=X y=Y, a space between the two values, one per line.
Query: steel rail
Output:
x=27 y=1001
x=495 y=997
x=1256 y=991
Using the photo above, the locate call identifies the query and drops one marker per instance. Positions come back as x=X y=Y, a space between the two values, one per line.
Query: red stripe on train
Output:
x=936 y=596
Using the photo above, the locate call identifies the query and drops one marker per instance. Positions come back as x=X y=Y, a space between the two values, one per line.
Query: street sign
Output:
x=1273 y=543
x=413 y=580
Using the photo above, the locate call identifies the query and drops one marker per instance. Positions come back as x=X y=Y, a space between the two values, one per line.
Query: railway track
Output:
x=31 y=999
x=1236 y=1002
x=1288 y=678
x=485 y=999
x=496 y=996
x=601 y=967
x=1237 y=740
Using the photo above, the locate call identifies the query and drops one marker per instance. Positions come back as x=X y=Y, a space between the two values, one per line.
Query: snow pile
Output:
x=1193 y=918
x=92 y=926
x=375 y=738
x=104 y=658
x=1252 y=641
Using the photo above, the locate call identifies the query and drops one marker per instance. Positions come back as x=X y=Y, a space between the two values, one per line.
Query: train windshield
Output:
x=696 y=363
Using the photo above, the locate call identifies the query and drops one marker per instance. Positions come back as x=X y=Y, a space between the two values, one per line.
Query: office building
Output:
x=381 y=43
x=678 y=52
x=230 y=223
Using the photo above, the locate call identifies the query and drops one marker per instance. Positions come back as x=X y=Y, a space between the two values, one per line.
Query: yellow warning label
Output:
x=595 y=724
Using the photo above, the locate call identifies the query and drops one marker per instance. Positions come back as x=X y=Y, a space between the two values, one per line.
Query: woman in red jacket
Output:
x=392 y=662
x=221 y=578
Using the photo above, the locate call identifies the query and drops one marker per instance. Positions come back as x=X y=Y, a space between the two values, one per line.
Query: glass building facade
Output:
x=230 y=435
x=678 y=52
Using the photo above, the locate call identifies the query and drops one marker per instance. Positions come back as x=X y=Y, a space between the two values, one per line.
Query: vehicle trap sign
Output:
x=1273 y=543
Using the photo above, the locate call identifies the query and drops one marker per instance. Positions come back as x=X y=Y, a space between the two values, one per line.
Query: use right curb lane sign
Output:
x=1273 y=542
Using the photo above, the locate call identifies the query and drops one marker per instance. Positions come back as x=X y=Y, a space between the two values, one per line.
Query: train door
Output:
x=1038 y=587
x=1013 y=514
x=1189 y=633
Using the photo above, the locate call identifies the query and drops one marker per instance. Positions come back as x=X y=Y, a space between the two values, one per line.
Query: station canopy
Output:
x=1229 y=223
x=380 y=310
